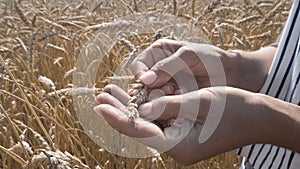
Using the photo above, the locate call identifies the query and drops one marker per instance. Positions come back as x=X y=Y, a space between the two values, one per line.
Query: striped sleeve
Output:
x=283 y=83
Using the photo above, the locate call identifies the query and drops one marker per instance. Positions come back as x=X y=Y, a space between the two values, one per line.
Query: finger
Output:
x=174 y=107
x=147 y=59
x=162 y=108
x=159 y=50
x=106 y=98
x=139 y=129
x=168 y=88
x=117 y=92
x=164 y=70
x=155 y=93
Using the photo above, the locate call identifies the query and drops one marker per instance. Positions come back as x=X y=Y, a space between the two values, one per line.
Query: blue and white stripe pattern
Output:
x=283 y=82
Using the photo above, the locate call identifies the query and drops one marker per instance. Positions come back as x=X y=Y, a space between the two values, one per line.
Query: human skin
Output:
x=245 y=70
x=247 y=117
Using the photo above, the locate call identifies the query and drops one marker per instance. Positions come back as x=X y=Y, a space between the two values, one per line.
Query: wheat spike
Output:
x=251 y=18
x=221 y=38
x=53 y=23
x=260 y=36
x=157 y=35
x=213 y=4
x=20 y=13
x=47 y=81
x=57 y=48
x=223 y=11
x=136 y=100
x=272 y=13
x=72 y=92
x=239 y=41
x=257 y=9
x=130 y=58
x=231 y=28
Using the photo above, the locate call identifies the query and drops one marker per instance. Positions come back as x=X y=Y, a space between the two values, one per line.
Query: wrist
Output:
x=248 y=111
x=250 y=69
x=231 y=67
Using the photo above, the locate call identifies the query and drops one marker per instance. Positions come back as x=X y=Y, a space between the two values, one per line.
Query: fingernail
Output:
x=168 y=89
x=145 y=109
x=130 y=91
x=148 y=77
x=96 y=109
x=156 y=93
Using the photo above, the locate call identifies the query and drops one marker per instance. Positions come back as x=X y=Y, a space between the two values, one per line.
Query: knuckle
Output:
x=164 y=42
x=185 y=50
x=161 y=64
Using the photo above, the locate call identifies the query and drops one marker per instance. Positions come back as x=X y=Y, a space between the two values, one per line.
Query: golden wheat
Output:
x=39 y=127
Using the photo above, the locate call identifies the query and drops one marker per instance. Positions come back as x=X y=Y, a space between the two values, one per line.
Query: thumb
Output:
x=165 y=69
x=163 y=108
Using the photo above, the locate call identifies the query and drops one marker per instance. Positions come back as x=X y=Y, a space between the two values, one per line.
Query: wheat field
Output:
x=40 y=42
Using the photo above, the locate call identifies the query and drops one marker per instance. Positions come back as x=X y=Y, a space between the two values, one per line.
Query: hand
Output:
x=166 y=62
x=181 y=141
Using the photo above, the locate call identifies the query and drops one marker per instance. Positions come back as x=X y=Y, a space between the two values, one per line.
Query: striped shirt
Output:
x=283 y=82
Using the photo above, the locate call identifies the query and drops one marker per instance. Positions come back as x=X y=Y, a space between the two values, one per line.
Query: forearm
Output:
x=282 y=122
x=248 y=70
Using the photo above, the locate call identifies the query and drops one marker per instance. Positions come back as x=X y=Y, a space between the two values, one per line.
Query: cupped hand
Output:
x=166 y=62
x=195 y=112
